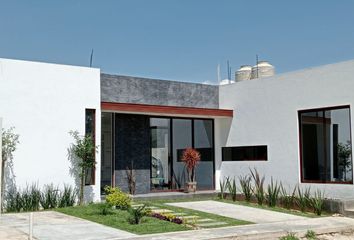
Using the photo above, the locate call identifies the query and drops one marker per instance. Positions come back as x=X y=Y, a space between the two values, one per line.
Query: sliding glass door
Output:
x=169 y=138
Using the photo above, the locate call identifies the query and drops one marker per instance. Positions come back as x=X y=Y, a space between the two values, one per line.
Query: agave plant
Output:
x=67 y=197
x=246 y=186
x=136 y=214
x=273 y=191
x=258 y=186
x=49 y=197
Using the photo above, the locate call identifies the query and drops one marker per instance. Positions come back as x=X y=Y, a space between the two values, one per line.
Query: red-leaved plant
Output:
x=191 y=158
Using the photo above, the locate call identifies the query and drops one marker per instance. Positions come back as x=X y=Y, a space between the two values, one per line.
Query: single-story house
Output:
x=293 y=127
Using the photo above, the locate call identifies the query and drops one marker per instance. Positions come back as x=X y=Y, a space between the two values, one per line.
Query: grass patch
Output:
x=118 y=219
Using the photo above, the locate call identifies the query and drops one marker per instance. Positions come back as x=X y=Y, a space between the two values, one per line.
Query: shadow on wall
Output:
x=10 y=177
x=74 y=171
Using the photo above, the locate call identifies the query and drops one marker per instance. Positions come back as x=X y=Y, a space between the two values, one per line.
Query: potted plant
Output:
x=191 y=158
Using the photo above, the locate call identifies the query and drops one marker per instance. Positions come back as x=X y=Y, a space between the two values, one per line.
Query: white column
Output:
x=0 y=161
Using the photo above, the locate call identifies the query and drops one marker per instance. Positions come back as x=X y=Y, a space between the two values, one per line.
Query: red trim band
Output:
x=132 y=107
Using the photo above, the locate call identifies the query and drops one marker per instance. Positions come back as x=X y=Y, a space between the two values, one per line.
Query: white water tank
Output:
x=243 y=73
x=262 y=69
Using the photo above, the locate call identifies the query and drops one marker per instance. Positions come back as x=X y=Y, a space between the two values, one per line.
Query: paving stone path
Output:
x=251 y=214
x=193 y=220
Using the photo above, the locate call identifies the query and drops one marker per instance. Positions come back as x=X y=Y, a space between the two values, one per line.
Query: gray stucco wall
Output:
x=125 y=89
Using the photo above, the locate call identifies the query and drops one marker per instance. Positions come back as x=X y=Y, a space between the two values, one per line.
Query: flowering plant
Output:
x=191 y=158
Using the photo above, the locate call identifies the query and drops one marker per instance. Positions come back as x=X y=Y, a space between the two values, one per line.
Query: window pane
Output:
x=326 y=145
x=160 y=142
x=181 y=139
x=203 y=142
x=247 y=153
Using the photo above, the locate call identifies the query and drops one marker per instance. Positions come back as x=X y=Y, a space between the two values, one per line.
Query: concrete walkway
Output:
x=55 y=226
x=251 y=214
x=261 y=231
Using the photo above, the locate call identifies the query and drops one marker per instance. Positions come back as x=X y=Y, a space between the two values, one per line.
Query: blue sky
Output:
x=178 y=39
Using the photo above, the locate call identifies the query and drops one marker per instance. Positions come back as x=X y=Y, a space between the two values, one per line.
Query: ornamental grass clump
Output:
x=303 y=198
x=286 y=199
x=232 y=189
x=67 y=197
x=49 y=197
x=258 y=186
x=317 y=202
x=191 y=158
x=223 y=187
x=273 y=191
x=246 y=186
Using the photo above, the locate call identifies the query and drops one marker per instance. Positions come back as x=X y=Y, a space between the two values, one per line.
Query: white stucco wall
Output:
x=266 y=113
x=44 y=102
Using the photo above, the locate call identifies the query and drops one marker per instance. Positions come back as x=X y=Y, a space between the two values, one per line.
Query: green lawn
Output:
x=118 y=219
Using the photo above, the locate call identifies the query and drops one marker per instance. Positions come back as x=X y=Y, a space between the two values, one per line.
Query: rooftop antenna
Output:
x=91 y=57
x=228 y=71
x=257 y=64
x=218 y=73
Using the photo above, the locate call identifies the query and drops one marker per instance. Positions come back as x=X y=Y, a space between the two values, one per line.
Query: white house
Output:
x=293 y=127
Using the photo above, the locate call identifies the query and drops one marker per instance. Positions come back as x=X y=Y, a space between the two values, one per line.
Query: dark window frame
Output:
x=256 y=159
x=171 y=145
x=323 y=109
x=93 y=170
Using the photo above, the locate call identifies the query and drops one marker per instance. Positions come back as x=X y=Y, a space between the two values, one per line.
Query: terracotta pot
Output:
x=190 y=187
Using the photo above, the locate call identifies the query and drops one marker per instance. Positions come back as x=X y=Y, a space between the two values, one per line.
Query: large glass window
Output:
x=325 y=138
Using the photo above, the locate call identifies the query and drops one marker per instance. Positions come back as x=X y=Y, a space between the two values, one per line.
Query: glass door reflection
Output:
x=160 y=145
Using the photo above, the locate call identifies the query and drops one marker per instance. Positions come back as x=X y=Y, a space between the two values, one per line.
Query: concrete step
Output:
x=349 y=212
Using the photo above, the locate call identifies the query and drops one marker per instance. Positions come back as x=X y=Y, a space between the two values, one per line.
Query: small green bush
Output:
x=136 y=214
x=310 y=235
x=289 y=236
x=115 y=197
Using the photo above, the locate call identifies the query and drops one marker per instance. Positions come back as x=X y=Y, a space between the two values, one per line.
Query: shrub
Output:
x=259 y=186
x=289 y=236
x=136 y=214
x=67 y=197
x=223 y=186
x=287 y=200
x=245 y=182
x=13 y=202
x=49 y=197
x=115 y=197
x=273 y=191
x=310 y=235
x=232 y=189
x=317 y=202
